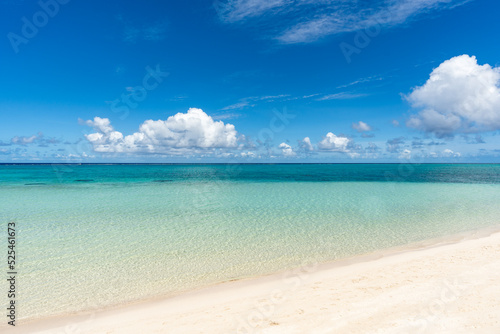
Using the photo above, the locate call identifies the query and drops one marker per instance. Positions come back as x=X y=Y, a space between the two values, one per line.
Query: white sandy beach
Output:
x=449 y=288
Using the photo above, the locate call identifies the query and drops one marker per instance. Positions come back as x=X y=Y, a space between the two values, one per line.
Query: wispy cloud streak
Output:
x=305 y=21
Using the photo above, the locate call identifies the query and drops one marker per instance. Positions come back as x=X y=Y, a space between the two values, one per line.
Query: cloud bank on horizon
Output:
x=460 y=96
x=179 y=134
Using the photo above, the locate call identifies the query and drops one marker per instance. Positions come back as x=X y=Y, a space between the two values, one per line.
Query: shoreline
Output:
x=272 y=290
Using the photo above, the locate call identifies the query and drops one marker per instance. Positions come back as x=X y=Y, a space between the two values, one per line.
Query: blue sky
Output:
x=250 y=81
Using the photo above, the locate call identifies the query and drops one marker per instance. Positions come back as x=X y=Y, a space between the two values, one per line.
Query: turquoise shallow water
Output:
x=96 y=236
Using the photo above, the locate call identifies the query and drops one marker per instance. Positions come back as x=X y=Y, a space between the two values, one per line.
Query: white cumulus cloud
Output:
x=181 y=133
x=333 y=143
x=361 y=126
x=449 y=153
x=306 y=145
x=460 y=96
x=102 y=125
x=405 y=154
x=286 y=150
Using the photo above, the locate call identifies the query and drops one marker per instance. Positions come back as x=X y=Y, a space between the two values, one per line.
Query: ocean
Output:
x=97 y=236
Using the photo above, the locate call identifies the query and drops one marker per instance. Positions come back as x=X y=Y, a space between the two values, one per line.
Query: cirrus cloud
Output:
x=306 y=21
